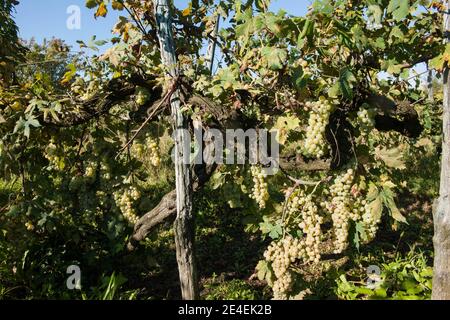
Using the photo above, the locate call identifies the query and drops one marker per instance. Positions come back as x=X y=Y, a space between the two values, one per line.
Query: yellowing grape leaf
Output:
x=441 y=60
x=69 y=74
x=112 y=55
x=102 y=10
x=376 y=207
x=187 y=11
x=373 y=193
x=274 y=57
x=289 y=123
x=284 y=125
x=391 y=157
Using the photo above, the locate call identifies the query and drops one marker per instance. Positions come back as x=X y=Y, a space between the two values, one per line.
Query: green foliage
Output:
x=66 y=118
x=230 y=290
x=11 y=50
x=404 y=278
x=109 y=288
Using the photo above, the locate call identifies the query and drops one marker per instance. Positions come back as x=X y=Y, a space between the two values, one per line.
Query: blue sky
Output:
x=47 y=18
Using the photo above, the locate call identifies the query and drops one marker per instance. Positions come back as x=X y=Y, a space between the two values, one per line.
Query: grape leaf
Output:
x=389 y=202
x=391 y=157
x=346 y=81
x=101 y=11
x=374 y=14
x=376 y=207
x=275 y=57
x=91 y=4
x=399 y=9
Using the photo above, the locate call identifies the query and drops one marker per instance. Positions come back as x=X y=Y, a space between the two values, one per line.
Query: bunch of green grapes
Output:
x=51 y=154
x=155 y=157
x=369 y=221
x=138 y=149
x=54 y=156
x=90 y=169
x=305 y=65
x=260 y=190
x=282 y=286
x=309 y=222
x=341 y=209
x=150 y=148
x=142 y=96
x=349 y=203
x=106 y=171
x=281 y=254
x=315 y=144
x=365 y=120
x=124 y=200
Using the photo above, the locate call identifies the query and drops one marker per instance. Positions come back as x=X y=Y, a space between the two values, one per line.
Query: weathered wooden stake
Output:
x=211 y=52
x=441 y=239
x=184 y=225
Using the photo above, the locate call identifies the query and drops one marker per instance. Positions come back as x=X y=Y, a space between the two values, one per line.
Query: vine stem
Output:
x=166 y=98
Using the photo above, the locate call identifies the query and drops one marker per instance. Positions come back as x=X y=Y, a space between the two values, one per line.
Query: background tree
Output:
x=11 y=49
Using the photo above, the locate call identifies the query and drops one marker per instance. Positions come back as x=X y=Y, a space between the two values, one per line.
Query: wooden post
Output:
x=430 y=85
x=211 y=52
x=441 y=239
x=184 y=225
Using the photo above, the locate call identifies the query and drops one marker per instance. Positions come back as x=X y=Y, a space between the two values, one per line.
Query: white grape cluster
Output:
x=310 y=222
x=138 y=149
x=341 y=210
x=155 y=157
x=363 y=212
x=281 y=254
x=348 y=203
x=90 y=169
x=51 y=155
x=106 y=171
x=124 y=201
x=150 y=148
x=315 y=144
x=282 y=286
x=365 y=120
x=370 y=222
x=260 y=190
x=305 y=65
